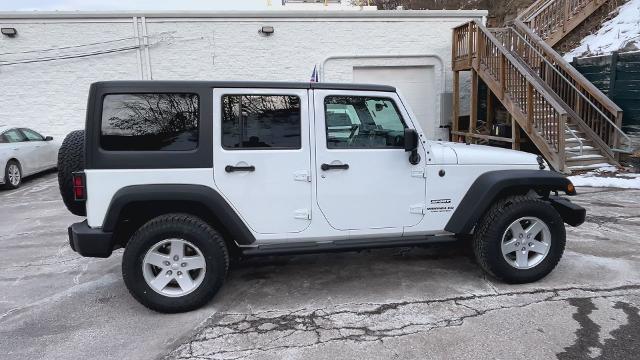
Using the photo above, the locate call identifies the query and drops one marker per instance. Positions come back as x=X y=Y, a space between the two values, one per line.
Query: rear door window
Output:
x=150 y=122
x=270 y=122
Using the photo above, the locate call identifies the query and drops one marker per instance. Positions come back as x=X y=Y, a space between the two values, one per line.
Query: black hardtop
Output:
x=166 y=84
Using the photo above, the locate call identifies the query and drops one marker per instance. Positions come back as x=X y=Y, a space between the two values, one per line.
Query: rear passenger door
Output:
x=261 y=157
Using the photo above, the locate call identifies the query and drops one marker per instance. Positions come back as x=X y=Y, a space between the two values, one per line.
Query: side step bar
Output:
x=344 y=245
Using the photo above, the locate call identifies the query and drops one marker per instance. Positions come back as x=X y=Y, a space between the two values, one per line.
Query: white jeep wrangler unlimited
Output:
x=183 y=174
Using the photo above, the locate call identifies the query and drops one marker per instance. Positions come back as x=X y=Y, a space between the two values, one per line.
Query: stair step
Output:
x=585 y=160
x=588 y=167
x=585 y=157
x=586 y=150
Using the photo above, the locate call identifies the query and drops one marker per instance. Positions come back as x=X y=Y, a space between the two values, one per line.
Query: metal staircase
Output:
x=572 y=123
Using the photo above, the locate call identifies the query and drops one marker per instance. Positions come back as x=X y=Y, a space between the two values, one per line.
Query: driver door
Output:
x=365 y=179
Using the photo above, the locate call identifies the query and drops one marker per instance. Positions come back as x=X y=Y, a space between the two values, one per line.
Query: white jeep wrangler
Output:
x=183 y=174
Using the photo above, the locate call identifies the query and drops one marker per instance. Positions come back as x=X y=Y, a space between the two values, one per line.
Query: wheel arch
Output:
x=13 y=158
x=132 y=206
x=494 y=185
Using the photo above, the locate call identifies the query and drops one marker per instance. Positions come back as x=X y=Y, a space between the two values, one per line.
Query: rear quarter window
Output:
x=150 y=122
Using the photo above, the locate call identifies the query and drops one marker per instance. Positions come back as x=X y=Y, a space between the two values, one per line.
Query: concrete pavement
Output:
x=429 y=302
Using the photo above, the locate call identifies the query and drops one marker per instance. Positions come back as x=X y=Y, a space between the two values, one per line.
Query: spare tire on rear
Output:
x=70 y=160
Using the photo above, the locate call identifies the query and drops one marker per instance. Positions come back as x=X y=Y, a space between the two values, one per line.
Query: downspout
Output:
x=136 y=35
x=145 y=39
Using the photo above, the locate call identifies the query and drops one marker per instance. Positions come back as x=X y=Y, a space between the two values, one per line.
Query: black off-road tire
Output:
x=487 y=238
x=181 y=226
x=70 y=160
x=7 y=183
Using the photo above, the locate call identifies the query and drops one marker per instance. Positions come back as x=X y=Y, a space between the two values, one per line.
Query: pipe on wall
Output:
x=136 y=35
x=145 y=40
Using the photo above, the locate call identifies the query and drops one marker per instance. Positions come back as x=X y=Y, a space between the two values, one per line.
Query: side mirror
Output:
x=48 y=138
x=411 y=140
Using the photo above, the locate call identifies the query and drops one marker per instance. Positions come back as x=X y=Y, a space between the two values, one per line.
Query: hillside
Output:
x=620 y=33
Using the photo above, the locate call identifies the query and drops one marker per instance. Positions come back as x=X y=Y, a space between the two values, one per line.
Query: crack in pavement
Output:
x=229 y=335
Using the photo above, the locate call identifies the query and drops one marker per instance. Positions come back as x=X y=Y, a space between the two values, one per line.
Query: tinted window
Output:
x=260 y=121
x=363 y=122
x=32 y=135
x=150 y=122
x=14 y=135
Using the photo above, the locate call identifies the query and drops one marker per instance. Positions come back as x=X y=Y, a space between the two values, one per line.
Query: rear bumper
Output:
x=571 y=213
x=90 y=242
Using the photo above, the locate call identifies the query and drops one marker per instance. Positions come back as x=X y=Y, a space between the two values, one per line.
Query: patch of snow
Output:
x=621 y=31
x=607 y=176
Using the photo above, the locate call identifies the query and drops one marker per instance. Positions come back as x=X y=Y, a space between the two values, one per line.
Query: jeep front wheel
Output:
x=520 y=240
x=175 y=263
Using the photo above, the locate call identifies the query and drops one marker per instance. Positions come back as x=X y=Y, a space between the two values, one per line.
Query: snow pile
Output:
x=621 y=32
x=607 y=176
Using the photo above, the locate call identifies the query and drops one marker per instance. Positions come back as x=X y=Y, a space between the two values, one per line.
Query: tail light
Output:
x=79 y=186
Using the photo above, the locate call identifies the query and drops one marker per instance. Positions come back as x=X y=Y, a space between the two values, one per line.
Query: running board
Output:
x=344 y=245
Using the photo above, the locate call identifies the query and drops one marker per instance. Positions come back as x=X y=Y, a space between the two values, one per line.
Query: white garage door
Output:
x=415 y=83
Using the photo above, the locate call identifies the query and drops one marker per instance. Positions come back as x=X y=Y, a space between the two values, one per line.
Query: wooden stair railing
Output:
x=535 y=110
x=553 y=19
x=594 y=113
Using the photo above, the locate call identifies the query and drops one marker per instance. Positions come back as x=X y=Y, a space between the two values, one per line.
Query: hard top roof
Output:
x=244 y=84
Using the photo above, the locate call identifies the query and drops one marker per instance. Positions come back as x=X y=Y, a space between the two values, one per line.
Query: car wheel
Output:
x=520 y=240
x=12 y=175
x=175 y=263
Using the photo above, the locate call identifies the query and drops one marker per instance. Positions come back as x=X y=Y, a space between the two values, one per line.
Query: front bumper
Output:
x=571 y=213
x=90 y=242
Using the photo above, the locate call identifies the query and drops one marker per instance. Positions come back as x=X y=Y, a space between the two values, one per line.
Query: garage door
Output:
x=416 y=83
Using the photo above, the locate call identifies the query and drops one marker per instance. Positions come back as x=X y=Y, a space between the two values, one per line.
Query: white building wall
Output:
x=50 y=96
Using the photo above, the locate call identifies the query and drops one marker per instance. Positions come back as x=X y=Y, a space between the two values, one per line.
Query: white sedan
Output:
x=24 y=152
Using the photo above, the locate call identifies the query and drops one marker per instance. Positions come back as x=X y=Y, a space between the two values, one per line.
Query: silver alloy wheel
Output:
x=14 y=174
x=526 y=242
x=174 y=267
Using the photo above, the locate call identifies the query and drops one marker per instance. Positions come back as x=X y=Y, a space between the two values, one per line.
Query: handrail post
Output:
x=566 y=14
x=530 y=108
x=503 y=77
x=470 y=43
x=616 y=135
x=561 y=150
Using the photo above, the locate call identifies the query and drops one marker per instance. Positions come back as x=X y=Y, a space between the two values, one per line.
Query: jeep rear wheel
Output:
x=520 y=239
x=175 y=263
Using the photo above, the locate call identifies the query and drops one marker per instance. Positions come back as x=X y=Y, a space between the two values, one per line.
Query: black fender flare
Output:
x=201 y=194
x=491 y=185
